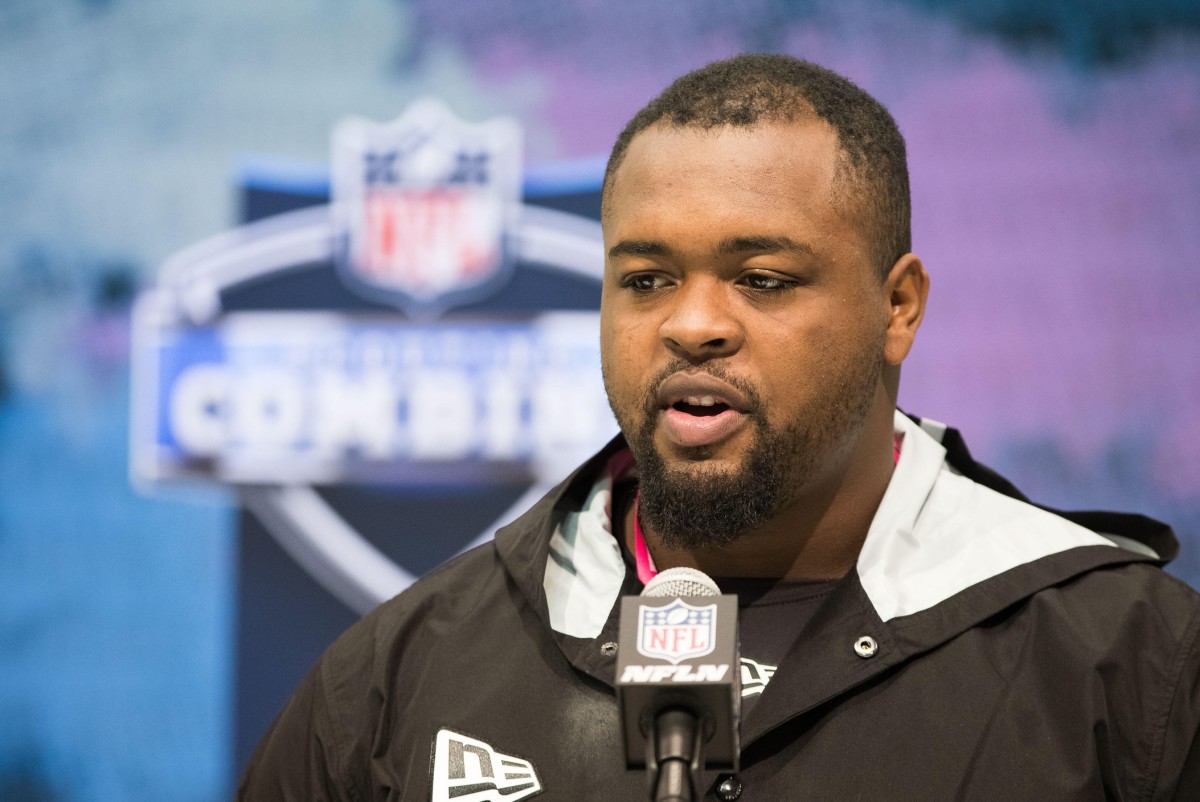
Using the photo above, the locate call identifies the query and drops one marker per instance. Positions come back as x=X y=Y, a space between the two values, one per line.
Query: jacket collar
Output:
x=937 y=532
x=568 y=566
x=947 y=529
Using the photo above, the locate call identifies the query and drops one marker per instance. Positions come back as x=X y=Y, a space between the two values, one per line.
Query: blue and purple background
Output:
x=1055 y=156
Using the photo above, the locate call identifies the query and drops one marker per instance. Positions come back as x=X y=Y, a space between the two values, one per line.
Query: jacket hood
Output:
x=947 y=527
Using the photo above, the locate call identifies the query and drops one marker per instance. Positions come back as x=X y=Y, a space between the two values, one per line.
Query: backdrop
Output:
x=1055 y=159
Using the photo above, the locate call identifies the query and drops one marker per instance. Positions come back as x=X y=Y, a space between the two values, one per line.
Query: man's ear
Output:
x=906 y=288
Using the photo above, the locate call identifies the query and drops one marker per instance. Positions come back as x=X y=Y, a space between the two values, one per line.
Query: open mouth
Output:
x=700 y=410
x=701 y=407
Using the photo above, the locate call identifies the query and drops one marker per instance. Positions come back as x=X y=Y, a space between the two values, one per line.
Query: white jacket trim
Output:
x=585 y=568
x=937 y=533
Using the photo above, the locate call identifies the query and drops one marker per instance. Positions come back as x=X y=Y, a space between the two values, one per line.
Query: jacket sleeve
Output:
x=1179 y=767
x=1187 y=788
x=300 y=757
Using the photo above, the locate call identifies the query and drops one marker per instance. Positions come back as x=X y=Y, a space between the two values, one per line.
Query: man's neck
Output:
x=817 y=535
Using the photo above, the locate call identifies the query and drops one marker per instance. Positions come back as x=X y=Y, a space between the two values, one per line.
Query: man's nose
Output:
x=701 y=322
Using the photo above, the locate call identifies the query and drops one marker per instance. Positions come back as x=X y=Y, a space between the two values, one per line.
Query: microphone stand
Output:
x=673 y=755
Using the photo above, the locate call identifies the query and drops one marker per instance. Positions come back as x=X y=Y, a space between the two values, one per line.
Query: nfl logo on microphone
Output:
x=676 y=632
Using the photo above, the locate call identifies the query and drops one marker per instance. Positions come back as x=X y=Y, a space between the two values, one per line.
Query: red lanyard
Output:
x=641 y=555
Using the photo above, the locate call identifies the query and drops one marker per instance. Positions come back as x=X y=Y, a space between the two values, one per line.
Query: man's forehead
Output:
x=766 y=158
x=666 y=133
x=781 y=180
x=664 y=144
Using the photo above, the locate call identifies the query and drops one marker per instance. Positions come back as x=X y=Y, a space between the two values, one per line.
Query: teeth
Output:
x=700 y=401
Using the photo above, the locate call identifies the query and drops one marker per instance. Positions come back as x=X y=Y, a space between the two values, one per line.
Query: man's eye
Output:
x=644 y=282
x=765 y=283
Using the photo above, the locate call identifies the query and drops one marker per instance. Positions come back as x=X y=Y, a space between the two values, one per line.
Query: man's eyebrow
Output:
x=764 y=244
x=731 y=246
x=638 y=248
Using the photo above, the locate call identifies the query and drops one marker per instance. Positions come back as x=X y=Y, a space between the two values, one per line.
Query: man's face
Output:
x=742 y=322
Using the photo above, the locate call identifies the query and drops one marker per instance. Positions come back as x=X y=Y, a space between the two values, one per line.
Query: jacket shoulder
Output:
x=455 y=591
x=336 y=713
x=1134 y=602
x=1126 y=639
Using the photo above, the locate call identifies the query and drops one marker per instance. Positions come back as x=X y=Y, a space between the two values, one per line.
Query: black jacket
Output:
x=1020 y=657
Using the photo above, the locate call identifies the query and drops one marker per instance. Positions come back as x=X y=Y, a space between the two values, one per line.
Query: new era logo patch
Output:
x=755 y=677
x=469 y=770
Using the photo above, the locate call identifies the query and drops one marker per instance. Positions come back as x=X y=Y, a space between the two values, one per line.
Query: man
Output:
x=911 y=627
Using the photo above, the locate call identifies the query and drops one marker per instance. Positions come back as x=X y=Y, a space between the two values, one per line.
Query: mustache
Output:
x=716 y=370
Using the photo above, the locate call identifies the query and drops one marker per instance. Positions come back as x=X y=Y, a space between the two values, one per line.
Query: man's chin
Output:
x=707 y=468
x=724 y=457
x=693 y=507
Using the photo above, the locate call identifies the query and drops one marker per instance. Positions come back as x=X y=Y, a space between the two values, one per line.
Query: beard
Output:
x=692 y=506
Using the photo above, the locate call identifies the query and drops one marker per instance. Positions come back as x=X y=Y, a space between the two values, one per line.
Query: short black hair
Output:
x=752 y=88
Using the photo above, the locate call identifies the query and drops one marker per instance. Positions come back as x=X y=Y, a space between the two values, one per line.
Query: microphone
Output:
x=679 y=682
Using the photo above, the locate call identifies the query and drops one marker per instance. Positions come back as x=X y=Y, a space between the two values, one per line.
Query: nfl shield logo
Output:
x=423 y=206
x=677 y=631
